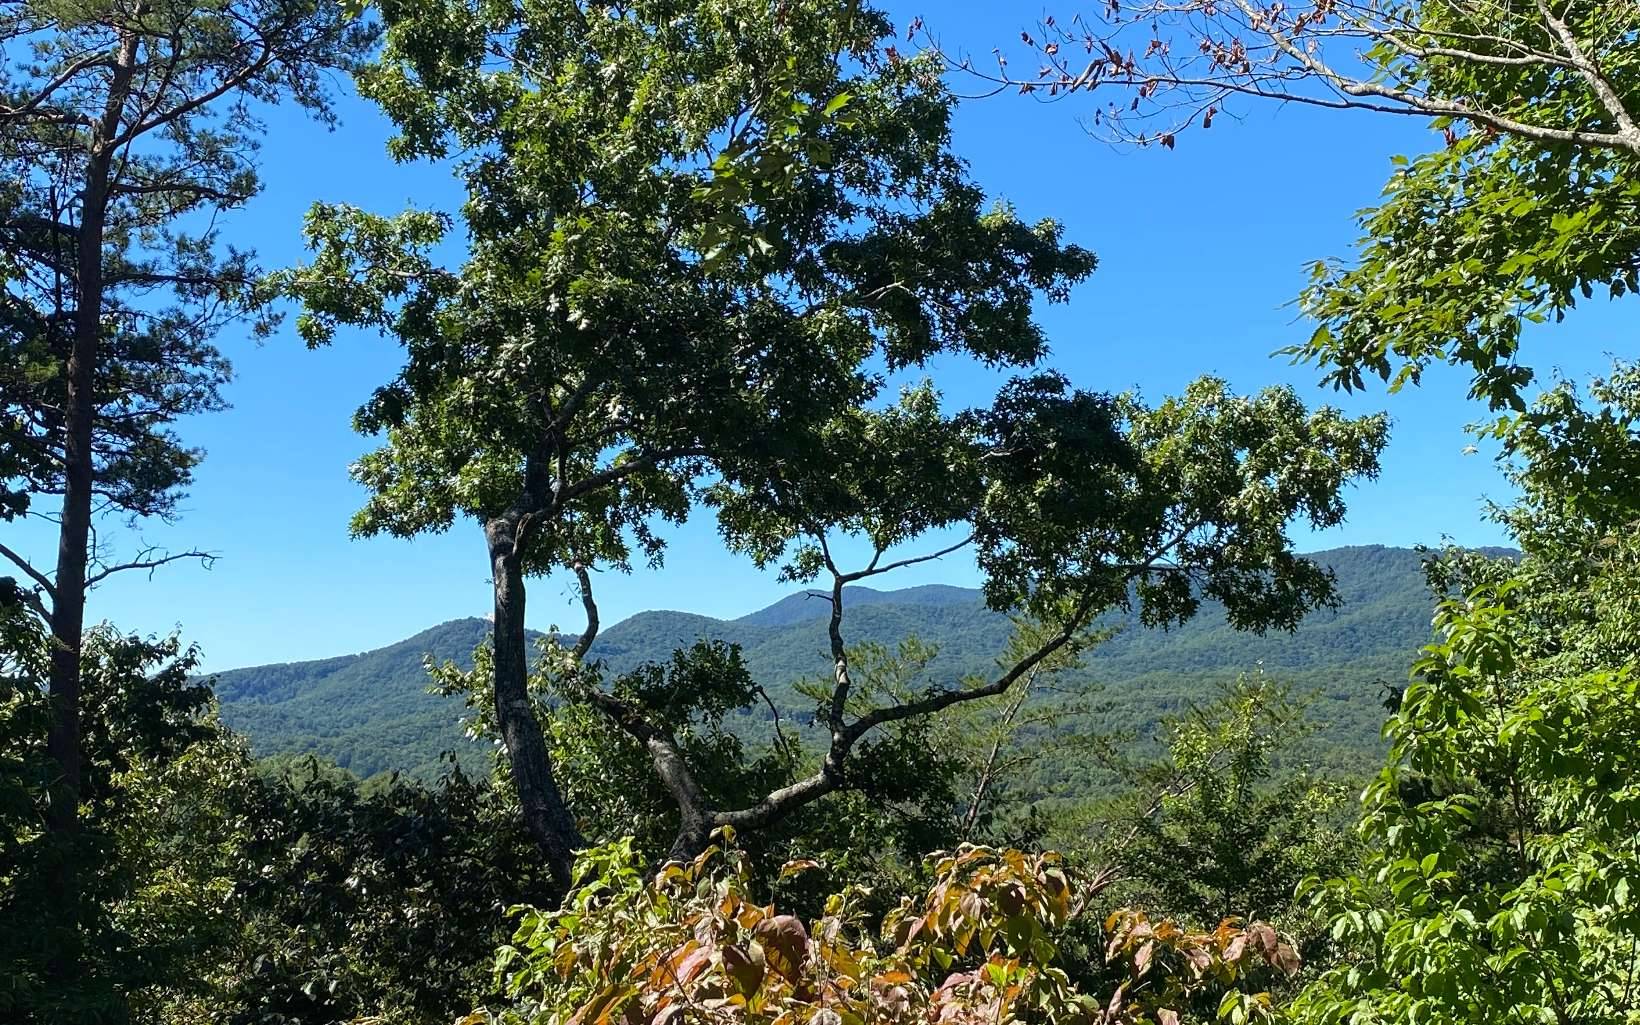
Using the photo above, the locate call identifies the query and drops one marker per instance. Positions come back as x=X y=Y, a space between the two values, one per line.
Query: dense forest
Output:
x=374 y=712
x=713 y=259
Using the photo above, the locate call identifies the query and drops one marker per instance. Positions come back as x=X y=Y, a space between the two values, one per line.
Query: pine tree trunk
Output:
x=63 y=741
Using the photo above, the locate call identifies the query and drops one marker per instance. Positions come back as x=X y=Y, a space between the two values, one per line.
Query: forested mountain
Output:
x=371 y=711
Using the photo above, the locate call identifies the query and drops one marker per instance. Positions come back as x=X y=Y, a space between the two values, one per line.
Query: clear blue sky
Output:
x=1200 y=250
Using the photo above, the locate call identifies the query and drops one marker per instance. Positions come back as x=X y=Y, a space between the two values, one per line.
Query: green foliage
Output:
x=1502 y=833
x=1222 y=831
x=702 y=238
x=1500 y=229
x=598 y=285
x=369 y=713
x=898 y=804
x=23 y=717
x=156 y=85
x=353 y=901
x=125 y=929
x=216 y=890
x=1504 y=894
x=700 y=241
x=978 y=942
x=696 y=238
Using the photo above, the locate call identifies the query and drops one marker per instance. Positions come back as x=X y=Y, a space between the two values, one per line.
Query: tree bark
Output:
x=695 y=818
x=545 y=814
x=74 y=527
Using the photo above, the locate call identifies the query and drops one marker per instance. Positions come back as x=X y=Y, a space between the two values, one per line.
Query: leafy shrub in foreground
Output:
x=690 y=944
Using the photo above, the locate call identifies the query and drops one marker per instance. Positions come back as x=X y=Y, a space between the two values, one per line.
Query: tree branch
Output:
x=34 y=574
x=782 y=802
x=842 y=683
x=206 y=558
x=584 y=643
x=1364 y=88
x=945 y=699
x=988 y=769
x=643 y=461
x=31 y=599
x=779 y=732
x=1591 y=73
x=185 y=107
x=197 y=190
x=28 y=106
x=874 y=570
x=695 y=816
x=1238 y=69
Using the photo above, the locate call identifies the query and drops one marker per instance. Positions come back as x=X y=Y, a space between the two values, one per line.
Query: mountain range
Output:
x=371 y=712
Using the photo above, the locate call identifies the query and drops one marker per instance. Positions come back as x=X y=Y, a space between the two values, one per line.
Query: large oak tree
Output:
x=702 y=239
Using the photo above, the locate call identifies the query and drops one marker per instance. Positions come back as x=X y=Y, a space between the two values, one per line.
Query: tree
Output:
x=213 y=888
x=1529 y=207
x=1004 y=750
x=1503 y=861
x=343 y=900
x=1074 y=504
x=896 y=809
x=142 y=715
x=660 y=278
x=701 y=239
x=126 y=129
x=1215 y=827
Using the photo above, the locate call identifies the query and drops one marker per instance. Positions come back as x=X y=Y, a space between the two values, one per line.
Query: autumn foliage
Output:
x=981 y=945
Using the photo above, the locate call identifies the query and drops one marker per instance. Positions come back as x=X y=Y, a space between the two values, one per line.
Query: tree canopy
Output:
x=1526 y=210
x=699 y=242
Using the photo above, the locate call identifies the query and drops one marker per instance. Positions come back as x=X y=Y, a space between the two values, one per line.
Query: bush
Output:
x=690 y=944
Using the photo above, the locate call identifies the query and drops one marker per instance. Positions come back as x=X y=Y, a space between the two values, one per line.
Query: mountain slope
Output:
x=371 y=711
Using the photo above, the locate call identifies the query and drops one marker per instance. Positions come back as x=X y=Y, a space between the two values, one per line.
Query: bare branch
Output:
x=590 y=634
x=874 y=570
x=989 y=768
x=779 y=730
x=1240 y=48
x=932 y=703
x=150 y=564
x=1436 y=108
x=780 y=803
x=28 y=568
x=829 y=778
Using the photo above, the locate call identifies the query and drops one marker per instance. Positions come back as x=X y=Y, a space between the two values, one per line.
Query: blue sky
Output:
x=1201 y=249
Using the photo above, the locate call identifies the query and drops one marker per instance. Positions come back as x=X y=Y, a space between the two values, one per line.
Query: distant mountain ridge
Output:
x=815 y=604
x=371 y=711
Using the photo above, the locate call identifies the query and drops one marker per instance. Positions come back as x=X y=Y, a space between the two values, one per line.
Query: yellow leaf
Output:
x=796 y=866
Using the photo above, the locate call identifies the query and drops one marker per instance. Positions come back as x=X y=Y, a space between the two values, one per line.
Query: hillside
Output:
x=371 y=711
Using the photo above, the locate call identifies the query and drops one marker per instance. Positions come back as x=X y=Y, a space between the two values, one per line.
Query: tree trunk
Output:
x=694 y=836
x=695 y=819
x=74 y=527
x=545 y=814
